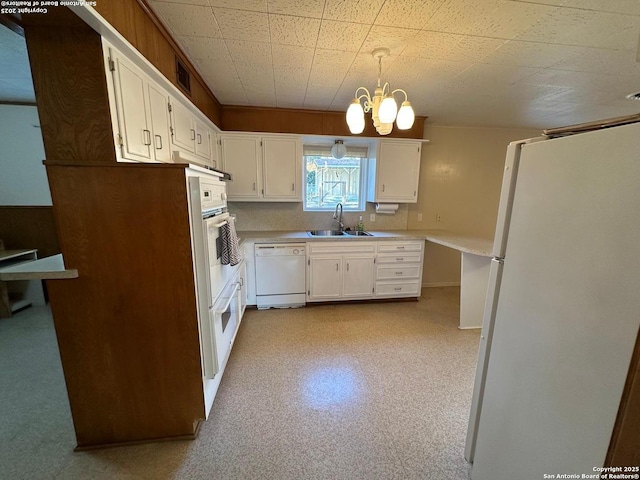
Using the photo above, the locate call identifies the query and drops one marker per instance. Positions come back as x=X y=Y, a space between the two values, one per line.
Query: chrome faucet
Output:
x=339 y=217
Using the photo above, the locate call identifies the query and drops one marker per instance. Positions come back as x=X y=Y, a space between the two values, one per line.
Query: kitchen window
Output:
x=329 y=181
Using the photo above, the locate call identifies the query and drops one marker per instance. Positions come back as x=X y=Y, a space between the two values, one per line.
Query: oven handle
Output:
x=221 y=224
x=228 y=302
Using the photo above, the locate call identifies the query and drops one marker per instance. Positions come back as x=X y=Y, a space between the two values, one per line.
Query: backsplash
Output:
x=290 y=216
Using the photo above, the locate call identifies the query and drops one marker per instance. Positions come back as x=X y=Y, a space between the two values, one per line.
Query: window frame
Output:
x=362 y=200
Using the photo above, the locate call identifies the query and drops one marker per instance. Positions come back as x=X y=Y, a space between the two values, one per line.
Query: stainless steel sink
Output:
x=355 y=233
x=325 y=233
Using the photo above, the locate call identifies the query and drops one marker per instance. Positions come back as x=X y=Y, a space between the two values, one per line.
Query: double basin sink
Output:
x=334 y=233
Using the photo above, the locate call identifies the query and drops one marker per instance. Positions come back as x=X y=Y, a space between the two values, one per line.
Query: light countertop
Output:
x=463 y=243
x=47 y=268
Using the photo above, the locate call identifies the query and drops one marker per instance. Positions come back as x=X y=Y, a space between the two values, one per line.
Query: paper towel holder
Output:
x=387 y=208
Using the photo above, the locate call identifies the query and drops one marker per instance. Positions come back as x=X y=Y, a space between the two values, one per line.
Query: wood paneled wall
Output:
x=140 y=26
x=127 y=327
x=29 y=227
x=71 y=88
x=312 y=122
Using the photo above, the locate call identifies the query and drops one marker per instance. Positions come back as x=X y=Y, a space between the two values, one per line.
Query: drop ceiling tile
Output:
x=357 y=11
x=394 y=38
x=297 y=8
x=222 y=81
x=254 y=73
x=300 y=31
x=317 y=103
x=232 y=97
x=407 y=14
x=261 y=100
x=531 y=54
x=464 y=48
x=324 y=91
x=630 y=7
x=494 y=76
x=257 y=53
x=336 y=58
x=192 y=20
x=341 y=35
x=597 y=60
x=291 y=76
x=203 y=48
x=489 y=18
x=586 y=28
x=251 y=5
x=297 y=91
x=289 y=102
x=252 y=26
x=292 y=55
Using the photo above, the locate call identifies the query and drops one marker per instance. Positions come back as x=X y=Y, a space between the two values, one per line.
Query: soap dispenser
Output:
x=360 y=227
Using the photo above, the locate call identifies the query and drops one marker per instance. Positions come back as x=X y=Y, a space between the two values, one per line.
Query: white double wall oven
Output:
x=220 y=287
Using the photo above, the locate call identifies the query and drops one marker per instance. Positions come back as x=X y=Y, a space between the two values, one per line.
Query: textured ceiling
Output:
x=538 y=63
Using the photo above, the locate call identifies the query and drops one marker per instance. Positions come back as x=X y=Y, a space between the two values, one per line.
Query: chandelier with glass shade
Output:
x=383 y=106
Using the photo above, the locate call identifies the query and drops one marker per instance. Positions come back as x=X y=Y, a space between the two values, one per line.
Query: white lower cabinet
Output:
x=340 y=271
x=399 y=269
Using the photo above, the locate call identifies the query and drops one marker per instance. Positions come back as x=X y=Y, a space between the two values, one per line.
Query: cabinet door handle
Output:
x=293 y=187
x=254 y=186
x=336 y=267
x=199 y=139
x=397 y=289
x=241 y=282
x=347 y=266
x=383 y=187
x=158 y=139
x=147 y=137
x=400 y=248
x=399 y=259
x=193 y=134
x=398 y=273
x=215 y=164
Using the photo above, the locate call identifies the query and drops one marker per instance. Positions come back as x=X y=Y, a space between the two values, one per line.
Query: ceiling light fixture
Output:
x=339 y=150
x=383 y=106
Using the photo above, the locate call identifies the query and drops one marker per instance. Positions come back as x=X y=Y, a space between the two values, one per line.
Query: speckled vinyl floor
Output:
x=366 y=391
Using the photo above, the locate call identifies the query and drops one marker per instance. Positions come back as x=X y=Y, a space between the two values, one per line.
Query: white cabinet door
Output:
x=282 y=158
x=184 y=132
x=241 y=158
x=325 y=278
x=133 y=118
x=215 y=153
x=203 y=140
x=159 y=113
x=357 y=277
x=398 y=171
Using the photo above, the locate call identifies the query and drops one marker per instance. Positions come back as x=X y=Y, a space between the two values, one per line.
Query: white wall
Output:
x=460 y=178
x=23 y=178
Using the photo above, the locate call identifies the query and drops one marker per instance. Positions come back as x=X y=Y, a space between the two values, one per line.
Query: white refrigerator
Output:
x=563 y=305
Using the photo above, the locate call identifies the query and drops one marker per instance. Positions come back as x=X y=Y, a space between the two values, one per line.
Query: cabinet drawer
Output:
x=399 y=258
x=341 y=246
x=400 y=271
x=400 y=247
x=397 y=289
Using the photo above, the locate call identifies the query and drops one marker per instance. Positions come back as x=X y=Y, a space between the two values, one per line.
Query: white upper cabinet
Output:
x=264 y=168
x=394 y=172
x=242 y=159
x=281 y=163
x=158 y=107
x=190 y=133
x=132 y=110
x=149 y=123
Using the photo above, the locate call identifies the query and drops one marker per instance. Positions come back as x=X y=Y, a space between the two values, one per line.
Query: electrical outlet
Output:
x=438 y=217
x=419 y=217
x=372 y=217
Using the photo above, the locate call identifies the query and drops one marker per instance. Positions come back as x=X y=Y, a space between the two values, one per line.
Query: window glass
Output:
x=329 y=181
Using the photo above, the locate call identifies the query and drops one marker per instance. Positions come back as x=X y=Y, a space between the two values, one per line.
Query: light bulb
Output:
x=355 y=117
x=405 y=116
x=388 y=109
x=339 y=149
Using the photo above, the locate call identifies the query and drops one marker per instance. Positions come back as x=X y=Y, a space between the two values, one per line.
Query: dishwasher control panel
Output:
x=282 y=249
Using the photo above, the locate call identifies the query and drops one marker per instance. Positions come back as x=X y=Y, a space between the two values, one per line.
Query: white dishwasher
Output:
x=281 y=271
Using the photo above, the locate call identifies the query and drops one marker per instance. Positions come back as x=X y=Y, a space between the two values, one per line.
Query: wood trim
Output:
x=309 y=122
x=624 y=449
